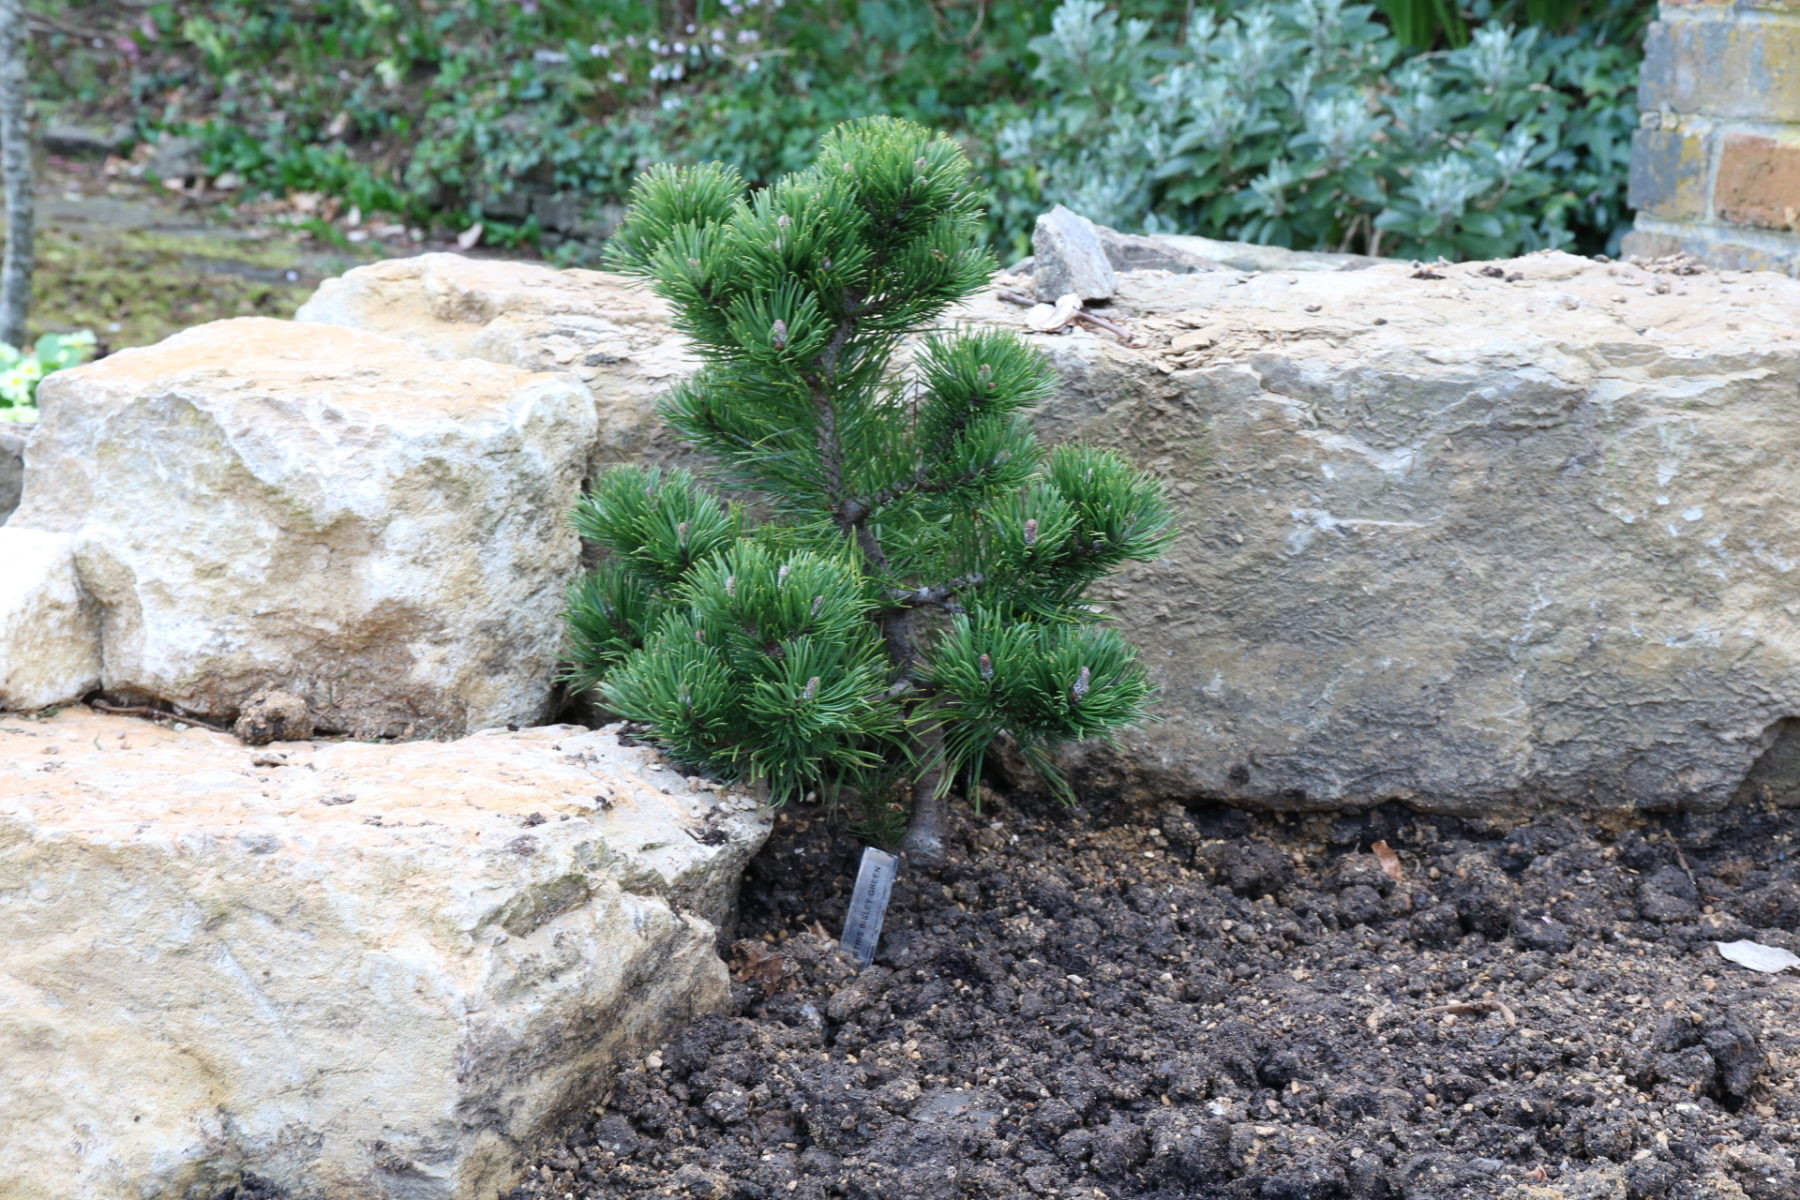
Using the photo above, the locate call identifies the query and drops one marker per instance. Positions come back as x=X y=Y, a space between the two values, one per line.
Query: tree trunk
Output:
x=924 y=842
x=15 y=171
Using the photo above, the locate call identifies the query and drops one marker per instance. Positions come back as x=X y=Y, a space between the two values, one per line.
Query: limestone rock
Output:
x=1437 y=537
x=605 y=330
x=273 y=717
x=262 y=504
x=1067 y=256
x=49 y=639
x=1138 y=252
x=12 y=467
x=1477 y=538
x=1251 y=256
x=350 y=970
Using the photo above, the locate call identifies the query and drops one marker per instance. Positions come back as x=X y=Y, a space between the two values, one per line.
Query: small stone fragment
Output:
x=273 y=717
x=1069 y=258
x=49 y=630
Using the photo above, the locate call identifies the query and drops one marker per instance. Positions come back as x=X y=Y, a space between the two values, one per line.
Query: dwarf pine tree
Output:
x=917 y=583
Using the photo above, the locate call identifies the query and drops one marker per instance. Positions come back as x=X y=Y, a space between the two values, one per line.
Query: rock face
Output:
x=259 y=504
x=49 y=632
x=598 y=328
x=1137 y=252
x=1249 y=256
x=347 y=970
x=1477 y=537
x=12 y=467
x=1068 y=258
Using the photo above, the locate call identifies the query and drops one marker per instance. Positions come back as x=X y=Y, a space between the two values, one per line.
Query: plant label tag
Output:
x=869 y=903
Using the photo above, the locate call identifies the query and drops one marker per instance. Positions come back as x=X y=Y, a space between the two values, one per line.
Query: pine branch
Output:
x=917 y=590
x=936 y=595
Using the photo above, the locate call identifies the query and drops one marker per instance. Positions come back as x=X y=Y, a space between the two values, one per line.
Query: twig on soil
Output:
x=155 y=714
x=1682 y=859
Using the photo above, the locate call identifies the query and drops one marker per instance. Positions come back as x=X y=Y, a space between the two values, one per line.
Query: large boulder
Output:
x=602 y=329
x=1477 y=537
x=49 y=631
x=335 y=969
x=259 y=504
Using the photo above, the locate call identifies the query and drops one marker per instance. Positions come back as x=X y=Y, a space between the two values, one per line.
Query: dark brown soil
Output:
x=1202 y=1003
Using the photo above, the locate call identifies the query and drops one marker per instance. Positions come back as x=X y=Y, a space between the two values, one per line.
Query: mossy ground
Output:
x=135 y=266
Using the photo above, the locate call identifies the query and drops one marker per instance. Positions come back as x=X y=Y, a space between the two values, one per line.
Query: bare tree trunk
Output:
x=15 y=170
x=924 y=842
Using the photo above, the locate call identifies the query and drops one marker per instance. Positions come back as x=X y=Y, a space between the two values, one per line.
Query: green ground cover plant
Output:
x=918 y=585
x=21 y=370
x=1417 y=128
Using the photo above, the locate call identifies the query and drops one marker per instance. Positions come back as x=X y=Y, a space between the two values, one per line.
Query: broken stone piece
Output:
x=49 y=634
x=274 y=717
x=1068 y=257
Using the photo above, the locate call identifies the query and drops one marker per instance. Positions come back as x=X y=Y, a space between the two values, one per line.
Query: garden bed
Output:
x=1112 y=1002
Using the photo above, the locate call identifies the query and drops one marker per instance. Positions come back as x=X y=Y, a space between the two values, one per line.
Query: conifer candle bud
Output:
x=681 y=534
x=731 y=585
x=778 y=334
x=818 y=603
x=783 y=221
x=700 y=636
x=1031 y=532
x=987 y=667
x=1080 y=690
x=812 y=688
x=986 y=375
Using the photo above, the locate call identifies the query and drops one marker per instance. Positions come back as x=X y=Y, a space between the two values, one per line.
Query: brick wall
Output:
x=1715 y=162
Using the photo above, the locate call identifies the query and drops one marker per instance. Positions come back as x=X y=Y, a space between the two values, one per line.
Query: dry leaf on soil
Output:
x=1758 y=957
x=1390 y=862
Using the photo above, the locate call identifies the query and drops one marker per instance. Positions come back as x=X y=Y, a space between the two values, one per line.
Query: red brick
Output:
x=1758 y=182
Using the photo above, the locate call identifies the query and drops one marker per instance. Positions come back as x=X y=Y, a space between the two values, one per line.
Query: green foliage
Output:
x=1305 y=123
x=920 y=585
x=1425 y=24
x=22 y=370
x=1282 y=120
x=449 y=112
